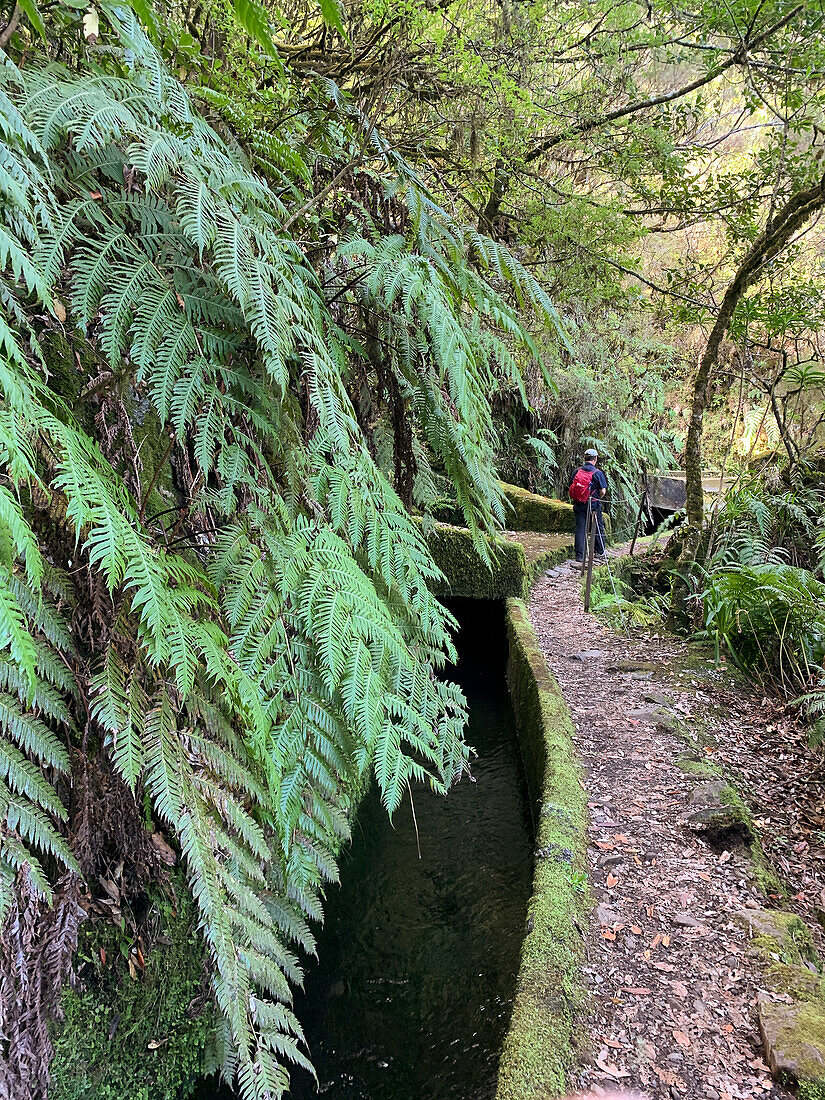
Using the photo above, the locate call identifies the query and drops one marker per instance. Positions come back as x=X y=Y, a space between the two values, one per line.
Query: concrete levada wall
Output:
x=538 y=1049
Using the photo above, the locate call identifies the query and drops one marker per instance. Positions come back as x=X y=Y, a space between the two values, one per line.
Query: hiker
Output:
x=588 y=486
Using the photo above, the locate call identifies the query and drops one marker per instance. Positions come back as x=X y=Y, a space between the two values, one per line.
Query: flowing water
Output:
x=411 y=997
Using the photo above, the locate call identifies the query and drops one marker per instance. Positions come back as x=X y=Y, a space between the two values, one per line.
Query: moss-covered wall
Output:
x=531 y=512
x=525 y=511
x=466 y=572
x=538 y=1048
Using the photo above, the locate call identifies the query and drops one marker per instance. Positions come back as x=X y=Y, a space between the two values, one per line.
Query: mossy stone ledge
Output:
x=538 y=1049
x=524 y=511
x=532 y=512
x=467 y=574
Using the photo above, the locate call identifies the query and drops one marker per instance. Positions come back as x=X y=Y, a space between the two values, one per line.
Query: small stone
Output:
x=643 y=714
x=611 y=859
x=675 y=1056
x=633 y=666
x=658 y=697
x=711 y=1093
x=686 y=920
x=587 y=654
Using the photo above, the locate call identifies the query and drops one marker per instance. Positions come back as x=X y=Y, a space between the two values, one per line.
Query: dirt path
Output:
x=673 y=987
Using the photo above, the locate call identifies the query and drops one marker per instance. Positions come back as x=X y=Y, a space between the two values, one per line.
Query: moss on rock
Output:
x=531 y=512
x=525 y=511
x=794 y=1040
x=778 y=936
x=537 y=1052
x=465 y=570
x=127 y=1032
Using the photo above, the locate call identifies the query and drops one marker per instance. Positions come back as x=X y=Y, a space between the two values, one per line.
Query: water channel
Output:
x=418 y=957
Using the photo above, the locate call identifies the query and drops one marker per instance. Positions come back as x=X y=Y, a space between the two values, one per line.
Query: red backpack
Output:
x=580 y=486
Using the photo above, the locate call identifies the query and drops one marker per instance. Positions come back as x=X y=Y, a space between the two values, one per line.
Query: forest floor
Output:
x=672 y=984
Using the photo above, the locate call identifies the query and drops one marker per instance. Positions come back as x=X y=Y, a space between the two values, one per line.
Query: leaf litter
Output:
x=672 y=988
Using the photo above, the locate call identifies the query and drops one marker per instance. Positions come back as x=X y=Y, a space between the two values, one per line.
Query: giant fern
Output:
x=275 y=644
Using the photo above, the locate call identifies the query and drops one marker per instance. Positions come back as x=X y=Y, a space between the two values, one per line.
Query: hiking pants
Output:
x=580 y=515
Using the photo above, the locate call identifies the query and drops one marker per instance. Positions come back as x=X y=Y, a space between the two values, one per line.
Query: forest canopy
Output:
x=276 y=281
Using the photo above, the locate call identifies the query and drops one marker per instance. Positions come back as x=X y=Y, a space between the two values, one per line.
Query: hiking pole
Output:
x=591 y=549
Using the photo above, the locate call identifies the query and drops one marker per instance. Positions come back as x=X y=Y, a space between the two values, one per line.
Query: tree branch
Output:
x=777 y=233
x=587 y=125
x=12 y=26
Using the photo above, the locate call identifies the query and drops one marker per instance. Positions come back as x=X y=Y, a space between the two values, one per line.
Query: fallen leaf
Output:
x=725 y=856
x=59 y=310
x=606 y=934
x=611 y=1070
x=612 y=881
x=636 y=990
x=91 y=24
x=664 y=966
x=679 y=988
x=681 y=1039
x=635 y=929
x=163 y=849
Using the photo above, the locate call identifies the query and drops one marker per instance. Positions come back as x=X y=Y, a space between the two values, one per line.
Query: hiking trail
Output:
x=673 y=987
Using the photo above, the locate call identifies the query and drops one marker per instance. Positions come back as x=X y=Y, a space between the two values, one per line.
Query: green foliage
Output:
x=771 y=619
x=144 y=1033
x=279 y=641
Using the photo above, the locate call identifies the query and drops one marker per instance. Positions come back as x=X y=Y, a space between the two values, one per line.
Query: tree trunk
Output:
x=799 y=208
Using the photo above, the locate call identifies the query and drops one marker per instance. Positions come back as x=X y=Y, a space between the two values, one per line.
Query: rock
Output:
x=794 y=1040
x=658 y=697
x=611 y=859
x=710 y=793
x=633 y=666
x=718 y=812
x=605 y=915
x=803 y=983
x=776 y=935
x=587 y=654
x=685 y=920
x=643 y=714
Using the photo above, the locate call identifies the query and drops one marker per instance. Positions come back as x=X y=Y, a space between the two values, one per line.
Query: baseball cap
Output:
x=591 y=452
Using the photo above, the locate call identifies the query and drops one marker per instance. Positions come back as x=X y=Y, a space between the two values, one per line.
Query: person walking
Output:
x=587 y=489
